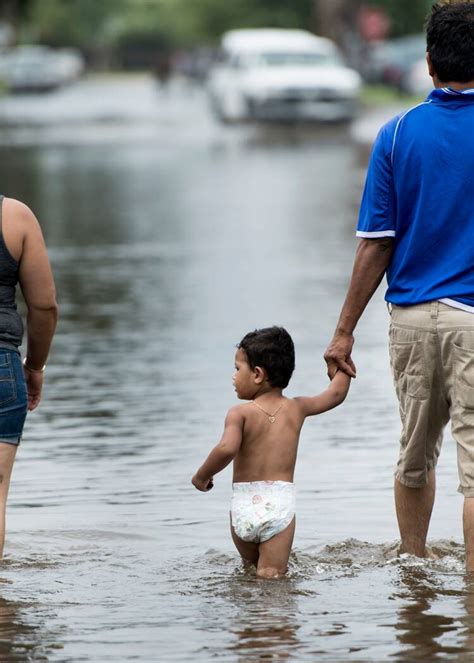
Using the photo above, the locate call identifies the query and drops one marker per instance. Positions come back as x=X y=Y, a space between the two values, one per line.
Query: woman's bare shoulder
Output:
x=18 y=224
x=15 y=209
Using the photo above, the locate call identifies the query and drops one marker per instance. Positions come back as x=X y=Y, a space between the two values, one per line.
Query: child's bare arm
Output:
x=224 y=452
x=329 y=398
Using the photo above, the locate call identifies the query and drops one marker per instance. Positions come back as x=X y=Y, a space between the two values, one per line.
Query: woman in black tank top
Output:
x=24 y=262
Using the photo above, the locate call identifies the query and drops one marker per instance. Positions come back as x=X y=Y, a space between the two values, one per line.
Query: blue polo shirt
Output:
x=420 y=191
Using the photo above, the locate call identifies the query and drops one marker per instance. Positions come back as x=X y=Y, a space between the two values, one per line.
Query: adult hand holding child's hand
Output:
x=338 y=355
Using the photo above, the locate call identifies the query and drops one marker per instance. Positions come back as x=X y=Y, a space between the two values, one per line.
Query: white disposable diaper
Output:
x=262 y=509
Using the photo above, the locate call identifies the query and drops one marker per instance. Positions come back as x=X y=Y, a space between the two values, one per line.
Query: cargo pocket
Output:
x=464 y=376
x=7 y=381
x=408 y=368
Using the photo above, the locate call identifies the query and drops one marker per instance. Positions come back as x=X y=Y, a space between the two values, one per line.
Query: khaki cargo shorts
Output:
x=432 y=360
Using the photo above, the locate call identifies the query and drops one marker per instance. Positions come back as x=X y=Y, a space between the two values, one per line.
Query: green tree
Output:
x=93 y=23
x=80 y=23
x=334 y=17
x=14 y=13
x=406 y=16
x=178 y=22
x=97 y=26
x=203 y=21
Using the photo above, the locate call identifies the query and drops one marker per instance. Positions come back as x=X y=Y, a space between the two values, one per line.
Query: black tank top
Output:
x=11 y=325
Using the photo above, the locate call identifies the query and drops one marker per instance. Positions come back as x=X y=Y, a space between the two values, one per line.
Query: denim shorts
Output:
x=13 y=397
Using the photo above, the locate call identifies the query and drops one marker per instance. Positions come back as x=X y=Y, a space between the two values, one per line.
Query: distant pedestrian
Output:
x=261 y=437
x=23 y=261
x=416 y=224
x=162 y=69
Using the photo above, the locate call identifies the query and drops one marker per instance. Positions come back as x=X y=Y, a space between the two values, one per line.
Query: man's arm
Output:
x=224 y=452
x=371 y=261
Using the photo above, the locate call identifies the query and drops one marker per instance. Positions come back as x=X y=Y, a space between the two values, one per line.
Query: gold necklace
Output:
x=271 y=417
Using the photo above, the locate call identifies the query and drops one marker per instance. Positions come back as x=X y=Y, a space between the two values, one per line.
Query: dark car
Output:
x=391 y=61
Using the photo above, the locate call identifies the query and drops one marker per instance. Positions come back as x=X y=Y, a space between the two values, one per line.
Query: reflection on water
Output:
x=420 y=630
x=352 y=601
x=170 y=238
x=22 y=633
x=16 y=637
x=466 y=618
x=261 y=631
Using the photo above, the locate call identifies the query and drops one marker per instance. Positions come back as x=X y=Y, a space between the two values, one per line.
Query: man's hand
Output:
x=373 y=256
x=338 y=355
x=202 y=485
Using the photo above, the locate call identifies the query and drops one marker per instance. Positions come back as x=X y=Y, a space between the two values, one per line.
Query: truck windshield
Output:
x=298 y=59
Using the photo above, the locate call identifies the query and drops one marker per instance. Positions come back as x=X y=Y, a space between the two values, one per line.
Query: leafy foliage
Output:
x=406 y=16
x=178 y=23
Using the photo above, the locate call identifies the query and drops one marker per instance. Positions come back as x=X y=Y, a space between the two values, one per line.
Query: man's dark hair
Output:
x=450 y=40
x=271 y=348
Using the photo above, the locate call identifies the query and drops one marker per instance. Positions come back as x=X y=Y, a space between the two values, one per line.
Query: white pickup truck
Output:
x=286 y=75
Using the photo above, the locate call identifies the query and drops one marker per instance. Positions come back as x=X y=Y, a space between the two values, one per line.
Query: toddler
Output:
x=261 y=437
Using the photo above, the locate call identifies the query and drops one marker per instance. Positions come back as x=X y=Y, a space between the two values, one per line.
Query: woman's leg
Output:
x=7 y=458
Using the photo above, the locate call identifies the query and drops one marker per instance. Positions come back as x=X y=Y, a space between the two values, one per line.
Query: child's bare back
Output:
x=270 y=435
x=261 y=437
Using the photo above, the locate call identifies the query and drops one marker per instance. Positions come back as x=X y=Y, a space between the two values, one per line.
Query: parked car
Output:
x=400 y=63
x=39 y=68
x=417 y=80
x=276 y=74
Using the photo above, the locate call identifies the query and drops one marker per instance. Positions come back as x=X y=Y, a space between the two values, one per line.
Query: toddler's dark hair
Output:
x=450 y=40
x=271 y=348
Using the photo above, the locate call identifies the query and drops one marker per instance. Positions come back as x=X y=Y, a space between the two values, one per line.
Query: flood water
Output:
x=170 y=238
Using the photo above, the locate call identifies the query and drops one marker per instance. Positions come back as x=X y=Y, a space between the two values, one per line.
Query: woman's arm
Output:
x=37 y=285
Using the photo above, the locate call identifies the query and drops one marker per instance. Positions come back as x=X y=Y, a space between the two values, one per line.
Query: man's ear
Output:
x=431 y=70
x=260 y=374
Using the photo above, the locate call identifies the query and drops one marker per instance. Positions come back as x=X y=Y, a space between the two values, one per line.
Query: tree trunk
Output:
x=11 y=12
x=335 y=18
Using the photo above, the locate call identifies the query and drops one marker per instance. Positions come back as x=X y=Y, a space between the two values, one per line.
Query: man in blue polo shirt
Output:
x=416 y=225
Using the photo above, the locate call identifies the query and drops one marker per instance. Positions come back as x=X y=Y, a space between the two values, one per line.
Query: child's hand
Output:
x=203 y=486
